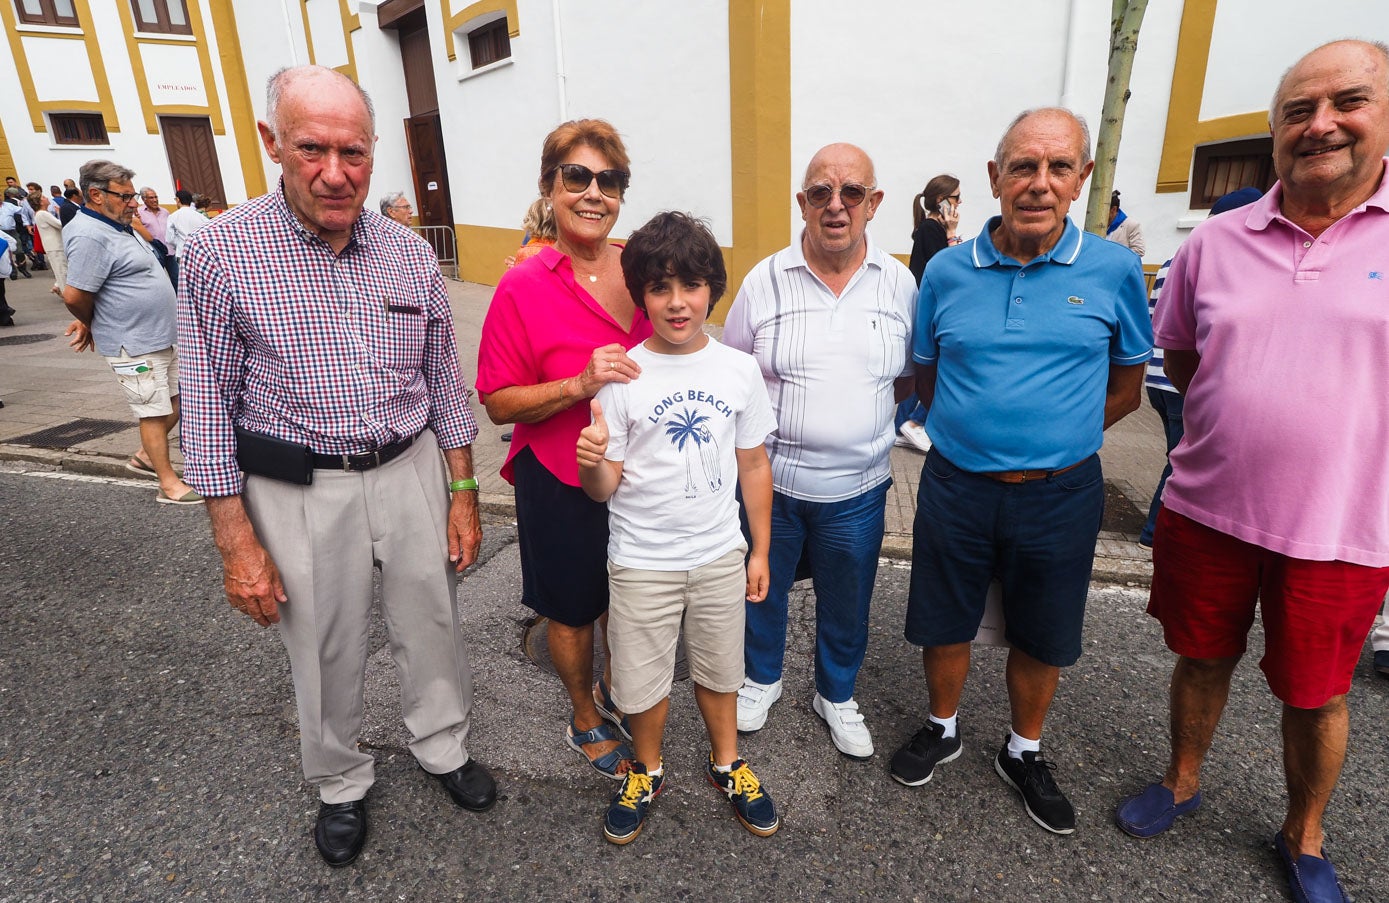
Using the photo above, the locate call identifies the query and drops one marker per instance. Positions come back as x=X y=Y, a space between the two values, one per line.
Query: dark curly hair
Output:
x=673 y=244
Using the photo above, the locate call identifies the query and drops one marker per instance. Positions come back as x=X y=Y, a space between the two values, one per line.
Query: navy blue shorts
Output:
x=1037 y=538
x=563 y=537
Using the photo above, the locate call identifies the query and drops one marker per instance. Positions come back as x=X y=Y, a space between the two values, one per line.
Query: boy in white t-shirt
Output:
x=664 y=451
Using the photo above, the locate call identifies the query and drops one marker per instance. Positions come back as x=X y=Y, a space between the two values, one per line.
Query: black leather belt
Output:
x=365 y=461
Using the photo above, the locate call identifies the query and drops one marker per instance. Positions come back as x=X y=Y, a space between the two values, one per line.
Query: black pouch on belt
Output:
x=277 y=459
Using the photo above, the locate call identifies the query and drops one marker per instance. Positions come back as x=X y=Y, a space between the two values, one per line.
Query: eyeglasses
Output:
x=125 y=196
x=577 y=178
x=403 y=205
x=851 y=193
x=955 y=198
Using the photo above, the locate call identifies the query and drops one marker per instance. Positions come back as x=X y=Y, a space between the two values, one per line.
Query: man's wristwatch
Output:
x=463 y=485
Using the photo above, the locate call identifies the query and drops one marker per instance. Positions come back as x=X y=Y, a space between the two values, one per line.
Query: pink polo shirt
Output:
x=1287 y=425
x=542 y=326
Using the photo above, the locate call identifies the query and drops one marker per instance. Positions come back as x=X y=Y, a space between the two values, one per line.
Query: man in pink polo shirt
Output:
x=1275 y=321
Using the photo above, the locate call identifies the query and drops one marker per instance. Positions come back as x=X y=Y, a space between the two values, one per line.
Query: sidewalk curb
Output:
x=1116 y=561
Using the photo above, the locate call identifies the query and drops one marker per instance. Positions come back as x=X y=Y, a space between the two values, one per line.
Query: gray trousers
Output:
x=326 y=538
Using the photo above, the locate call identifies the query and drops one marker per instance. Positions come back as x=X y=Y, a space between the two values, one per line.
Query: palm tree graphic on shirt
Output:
x=688 y=433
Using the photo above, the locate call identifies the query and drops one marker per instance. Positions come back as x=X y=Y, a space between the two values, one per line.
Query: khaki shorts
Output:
x=150 y=381
x=645 y=612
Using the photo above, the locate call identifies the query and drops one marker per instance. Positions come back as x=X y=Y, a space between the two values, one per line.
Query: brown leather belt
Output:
x=1027 y=476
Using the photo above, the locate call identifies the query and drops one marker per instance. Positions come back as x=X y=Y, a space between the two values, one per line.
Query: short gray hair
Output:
x=275 y=87
x=147 y=188
x=100 y=174
x=388 y=201
x=1378 y=46
x=1028 y=114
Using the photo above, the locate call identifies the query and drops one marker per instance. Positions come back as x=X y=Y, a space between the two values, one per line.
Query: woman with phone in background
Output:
x=935 y=216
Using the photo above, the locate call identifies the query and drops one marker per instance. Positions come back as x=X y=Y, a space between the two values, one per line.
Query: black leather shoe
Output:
x=470 y=786
x=341 y=831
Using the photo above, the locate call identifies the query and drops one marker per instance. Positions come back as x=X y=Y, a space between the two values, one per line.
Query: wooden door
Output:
x=193 y=156
x=426 y=142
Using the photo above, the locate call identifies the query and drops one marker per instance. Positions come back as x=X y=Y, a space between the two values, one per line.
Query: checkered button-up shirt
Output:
x=343 y=352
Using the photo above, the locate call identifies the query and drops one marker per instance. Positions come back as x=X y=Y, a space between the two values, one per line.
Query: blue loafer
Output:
x=612 y=764
x=1152 y=811
x=1311 y=879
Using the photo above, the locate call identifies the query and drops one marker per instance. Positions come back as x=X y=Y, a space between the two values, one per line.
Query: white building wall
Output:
x=667 y=97
x=494 y=119
x=924 y=86
x=1247 y=62
x=380 y=72
x=665 y=86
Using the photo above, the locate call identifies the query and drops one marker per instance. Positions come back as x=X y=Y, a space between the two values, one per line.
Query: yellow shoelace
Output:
x=636 y=788
x=745 y=782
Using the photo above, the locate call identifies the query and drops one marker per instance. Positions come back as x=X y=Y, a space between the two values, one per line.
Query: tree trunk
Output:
x=1123 y=43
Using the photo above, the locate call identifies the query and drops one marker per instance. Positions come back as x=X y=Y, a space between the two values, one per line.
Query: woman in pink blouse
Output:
x=558 y=329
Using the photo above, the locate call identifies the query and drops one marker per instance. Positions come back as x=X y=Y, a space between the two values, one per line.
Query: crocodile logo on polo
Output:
x=1074 y=300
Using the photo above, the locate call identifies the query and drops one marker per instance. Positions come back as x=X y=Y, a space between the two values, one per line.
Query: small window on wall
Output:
x=489 y=43
x=161 y=16
x=46 y=12
x=1219 y=169
x=78 y=128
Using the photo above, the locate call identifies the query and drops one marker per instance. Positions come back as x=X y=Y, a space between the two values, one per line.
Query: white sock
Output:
x=724 y=769
x=948 y=723
x=658 y=770
x=1017 y=745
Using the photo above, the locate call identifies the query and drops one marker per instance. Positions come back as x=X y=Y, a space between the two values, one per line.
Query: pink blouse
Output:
x=542 y=326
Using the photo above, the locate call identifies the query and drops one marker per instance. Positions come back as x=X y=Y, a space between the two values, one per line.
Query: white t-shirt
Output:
x=675 y=429
x=829 y=364
x=183 y=222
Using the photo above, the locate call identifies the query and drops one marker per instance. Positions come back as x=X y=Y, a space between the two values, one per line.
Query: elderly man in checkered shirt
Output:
x=320 y=361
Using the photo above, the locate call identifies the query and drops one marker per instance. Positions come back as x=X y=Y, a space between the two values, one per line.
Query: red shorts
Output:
x=1316 y=614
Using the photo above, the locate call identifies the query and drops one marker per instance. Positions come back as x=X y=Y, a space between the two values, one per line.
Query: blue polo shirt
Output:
x=1022 y=352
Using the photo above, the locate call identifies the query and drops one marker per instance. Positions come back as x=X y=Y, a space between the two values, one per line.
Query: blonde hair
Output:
x=539 y=221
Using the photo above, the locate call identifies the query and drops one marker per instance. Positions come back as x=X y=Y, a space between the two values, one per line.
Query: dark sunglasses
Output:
x=852 y=194
x=577 y=177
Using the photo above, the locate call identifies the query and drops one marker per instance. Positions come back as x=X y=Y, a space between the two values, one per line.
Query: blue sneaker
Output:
x=751 y=803
x=627 y=812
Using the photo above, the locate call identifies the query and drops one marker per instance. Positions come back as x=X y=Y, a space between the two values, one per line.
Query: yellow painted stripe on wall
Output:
x=243 y=115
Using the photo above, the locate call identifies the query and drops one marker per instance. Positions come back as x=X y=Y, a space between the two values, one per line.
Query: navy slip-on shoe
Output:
x=1153 y=811
x=1312 y=879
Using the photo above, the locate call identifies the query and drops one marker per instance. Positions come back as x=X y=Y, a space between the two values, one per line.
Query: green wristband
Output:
x=462 y=485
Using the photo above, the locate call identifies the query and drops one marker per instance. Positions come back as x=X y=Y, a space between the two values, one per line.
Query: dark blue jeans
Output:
x=1169 y=408
x=843 y=540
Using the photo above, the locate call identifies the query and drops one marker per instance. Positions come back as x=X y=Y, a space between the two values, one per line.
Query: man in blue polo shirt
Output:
x=1029 y=341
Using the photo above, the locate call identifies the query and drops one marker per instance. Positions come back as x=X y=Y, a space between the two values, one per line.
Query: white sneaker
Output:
x=916 y=437
x=754 y=699
x=847 y=730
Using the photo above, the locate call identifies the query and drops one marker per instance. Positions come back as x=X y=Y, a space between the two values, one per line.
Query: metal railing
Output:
x=445 y=245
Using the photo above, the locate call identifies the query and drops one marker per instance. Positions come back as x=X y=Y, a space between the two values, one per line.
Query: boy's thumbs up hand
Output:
x=593 y=440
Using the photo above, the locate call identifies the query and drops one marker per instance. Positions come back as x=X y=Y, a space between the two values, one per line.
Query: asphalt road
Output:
x=149 y=752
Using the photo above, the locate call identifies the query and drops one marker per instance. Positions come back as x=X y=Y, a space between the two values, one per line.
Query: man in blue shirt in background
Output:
x=1029 y=341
